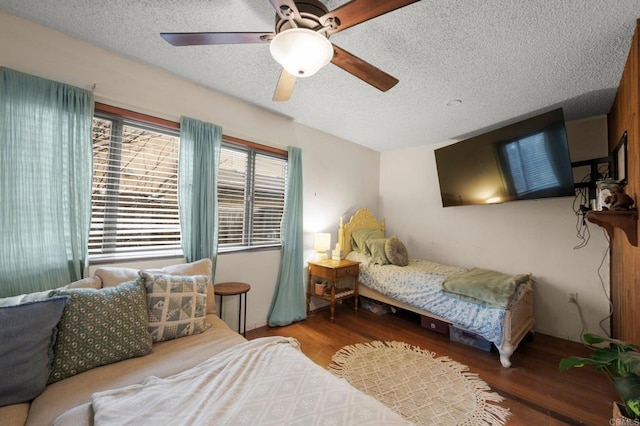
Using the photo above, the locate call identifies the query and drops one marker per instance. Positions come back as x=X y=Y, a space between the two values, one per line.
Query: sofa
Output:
x=67 y=401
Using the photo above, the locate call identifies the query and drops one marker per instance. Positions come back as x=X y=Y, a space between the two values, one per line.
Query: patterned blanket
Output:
x=264 y=381
x=419 y=284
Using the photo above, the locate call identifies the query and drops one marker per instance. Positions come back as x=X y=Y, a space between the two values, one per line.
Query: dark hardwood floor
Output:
x=535 y=391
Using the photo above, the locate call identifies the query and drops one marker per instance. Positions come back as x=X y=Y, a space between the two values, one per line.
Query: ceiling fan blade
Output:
x=358 y=11
x=284 y=87
x=281 y=7
x=363 y=70
x=200 y=39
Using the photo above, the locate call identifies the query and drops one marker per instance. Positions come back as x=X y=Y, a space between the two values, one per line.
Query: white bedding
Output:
x=264 y=381
x=419 y=284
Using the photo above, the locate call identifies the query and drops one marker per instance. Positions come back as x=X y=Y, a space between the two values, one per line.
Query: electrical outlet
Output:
x=573 y=298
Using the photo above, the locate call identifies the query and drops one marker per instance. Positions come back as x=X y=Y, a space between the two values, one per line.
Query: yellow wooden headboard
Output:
x=362 y=219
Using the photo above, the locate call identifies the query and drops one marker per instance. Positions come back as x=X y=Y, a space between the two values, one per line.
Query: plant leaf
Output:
x=605 y=355
x=594 y=339
x=575 y=362
x=628 y=387
x=631 y=360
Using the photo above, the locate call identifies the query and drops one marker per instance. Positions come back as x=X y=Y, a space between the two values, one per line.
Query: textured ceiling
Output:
x=505 y=59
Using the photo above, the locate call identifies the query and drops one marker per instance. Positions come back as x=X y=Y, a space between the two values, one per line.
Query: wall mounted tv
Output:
x=523 y=161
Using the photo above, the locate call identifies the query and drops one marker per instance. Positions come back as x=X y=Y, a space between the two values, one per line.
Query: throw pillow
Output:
x=100 y=327
x=360 y=237
x=27 y=334
x=396 y=251
x=112 y=276
x=198 y=267
x=176 y=305
x=376 y=248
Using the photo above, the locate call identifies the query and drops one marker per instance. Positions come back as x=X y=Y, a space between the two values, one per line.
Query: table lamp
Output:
x=321 y=244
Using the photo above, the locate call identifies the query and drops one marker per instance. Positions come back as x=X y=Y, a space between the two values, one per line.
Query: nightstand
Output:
x=333 y=270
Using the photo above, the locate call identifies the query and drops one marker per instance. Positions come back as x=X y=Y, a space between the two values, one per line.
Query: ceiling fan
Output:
x=300 y=41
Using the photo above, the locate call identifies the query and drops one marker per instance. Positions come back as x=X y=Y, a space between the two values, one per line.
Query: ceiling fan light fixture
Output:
x=301 y=51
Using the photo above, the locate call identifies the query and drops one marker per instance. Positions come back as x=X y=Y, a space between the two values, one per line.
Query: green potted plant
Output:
x=620 y=361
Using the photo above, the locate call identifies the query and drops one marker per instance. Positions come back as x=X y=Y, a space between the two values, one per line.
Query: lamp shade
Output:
x=322 y=241
x=301 y=51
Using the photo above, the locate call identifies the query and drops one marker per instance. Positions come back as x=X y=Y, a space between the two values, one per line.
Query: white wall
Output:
x=516 y=237
x=339 y=176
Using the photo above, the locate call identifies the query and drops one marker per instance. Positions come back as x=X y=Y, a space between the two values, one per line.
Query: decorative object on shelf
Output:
x=620 y=361
x=618 y=200
x=604 y=188
x=336 y=254
x=620 y=160
x=321 y=244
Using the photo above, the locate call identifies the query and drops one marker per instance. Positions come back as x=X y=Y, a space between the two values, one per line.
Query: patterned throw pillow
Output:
x=176 y=305
x=396 y=251
x=99 y=327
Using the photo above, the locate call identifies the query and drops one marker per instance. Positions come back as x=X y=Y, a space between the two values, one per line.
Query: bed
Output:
x=417 y=287
x=211 y=377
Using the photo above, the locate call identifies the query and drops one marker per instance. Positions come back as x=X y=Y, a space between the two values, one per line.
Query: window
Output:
x=134 y=206
x=251 y=191
x=135 y=194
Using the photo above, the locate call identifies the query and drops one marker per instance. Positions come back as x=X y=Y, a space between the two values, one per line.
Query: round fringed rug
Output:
x=415 y=384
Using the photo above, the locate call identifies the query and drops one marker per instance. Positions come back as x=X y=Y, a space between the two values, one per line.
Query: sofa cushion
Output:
x=176 y=305
x=27 y=334
x=112 y=276
x=100 y=327
x=89 y=282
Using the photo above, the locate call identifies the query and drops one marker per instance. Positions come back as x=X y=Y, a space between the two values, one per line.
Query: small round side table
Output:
x=232 y=289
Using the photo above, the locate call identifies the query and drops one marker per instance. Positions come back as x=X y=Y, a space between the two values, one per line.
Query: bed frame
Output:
x=518 y=320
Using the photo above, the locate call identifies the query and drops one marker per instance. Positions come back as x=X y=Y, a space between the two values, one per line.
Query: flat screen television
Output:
x=522 y=161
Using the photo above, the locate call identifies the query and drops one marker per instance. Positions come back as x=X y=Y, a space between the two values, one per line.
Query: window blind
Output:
x=135 y=192
x=251 y=188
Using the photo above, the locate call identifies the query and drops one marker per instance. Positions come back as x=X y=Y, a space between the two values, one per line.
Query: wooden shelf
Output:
x=626 y=220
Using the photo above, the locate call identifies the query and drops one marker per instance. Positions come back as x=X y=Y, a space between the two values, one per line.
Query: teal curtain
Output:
x=45 y=182
x=200 y=144
x=288 y=304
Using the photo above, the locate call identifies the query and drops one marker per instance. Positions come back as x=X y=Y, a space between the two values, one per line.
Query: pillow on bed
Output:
x=360 y=237
x=396 y=251
x=375 y=247
x=176 y=305
x=27 y=334
x=100 y=327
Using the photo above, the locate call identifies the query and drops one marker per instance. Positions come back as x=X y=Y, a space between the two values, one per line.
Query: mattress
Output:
x=419 y=284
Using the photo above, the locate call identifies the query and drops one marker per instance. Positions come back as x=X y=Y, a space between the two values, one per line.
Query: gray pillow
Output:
x=396 y=251
x=27 y=334
x=100 y=327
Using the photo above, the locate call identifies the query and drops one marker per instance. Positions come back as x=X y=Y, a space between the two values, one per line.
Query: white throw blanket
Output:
x=263 y=381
